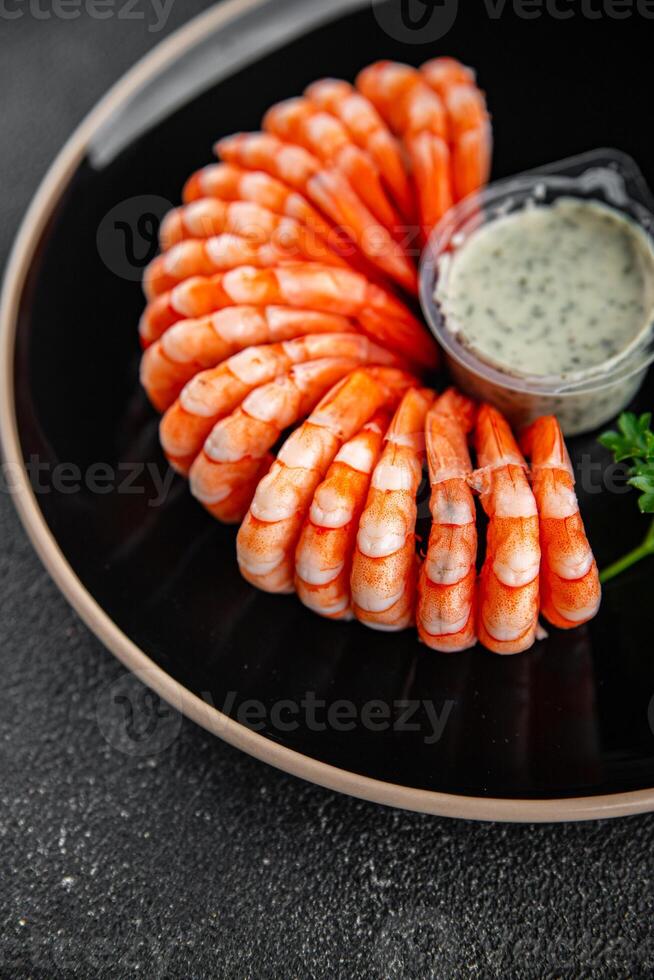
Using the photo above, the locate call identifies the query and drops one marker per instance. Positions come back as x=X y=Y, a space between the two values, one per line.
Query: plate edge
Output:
x=118 y=643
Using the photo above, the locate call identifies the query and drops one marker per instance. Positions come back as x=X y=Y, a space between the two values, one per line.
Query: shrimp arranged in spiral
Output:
x=300 y=121
x=370 y=132
x=232 y=452
x=213 y=394
x=448 y=577
x=267 y=538
x=191 y=346
x=385 y=564
x=328 y=190
x=303 y=284
x=469 y=130
x=569 y=581
x=415 y=113
x=278 y=320
x=289 y=242
x=508 y=586
x=230 y=183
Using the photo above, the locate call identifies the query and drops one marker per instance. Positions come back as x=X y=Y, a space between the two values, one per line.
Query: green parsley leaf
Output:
x=634 y=441
x=635 y=438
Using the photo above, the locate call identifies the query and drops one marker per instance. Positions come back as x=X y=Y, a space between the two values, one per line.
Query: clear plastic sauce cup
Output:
x=588 y=398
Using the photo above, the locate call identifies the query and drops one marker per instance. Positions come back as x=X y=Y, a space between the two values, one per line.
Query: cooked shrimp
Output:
x=369 y=131
x=290 y=242
x=306 y=284
x=267 y=538
x=300 y=121
x=468 y=123
x=232 y=453
x=447 y=584
x=329 y=190
x=443 y=73
x=194 y=345
x=415 y=112
x=385 y=564
x=230 y=183
x=569 y=582
x=213 y=394
x=323 y=558
x=208 y=217
x=508 y=586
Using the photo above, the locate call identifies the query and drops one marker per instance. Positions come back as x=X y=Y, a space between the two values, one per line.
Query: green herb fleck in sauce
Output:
x=551 y=289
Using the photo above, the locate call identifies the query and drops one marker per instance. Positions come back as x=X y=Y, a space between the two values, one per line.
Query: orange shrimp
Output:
x=447 y=584
x=300 y=121
x=195 y=345
x=213 y=394
x=230 y=183
x=385 y=564
x=569 y=581
x=290 y=242
x=307 y=284
x=415 y=112
x=443 y=73
x=267 y=539
x=329 y=190
x=323 y=558
x=208 y=217
x=370 y=132
x=232 y=454
x=470 y=133
x=508 y=586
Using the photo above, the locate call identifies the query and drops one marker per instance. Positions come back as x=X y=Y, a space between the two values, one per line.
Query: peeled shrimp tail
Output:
x=385 y=565
x=570 y=587
x=508 y=587
x=447 y=585
x=323 y=557
x=269 y=534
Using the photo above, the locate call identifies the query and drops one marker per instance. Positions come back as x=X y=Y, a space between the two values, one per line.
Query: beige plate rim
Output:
x=135 y=659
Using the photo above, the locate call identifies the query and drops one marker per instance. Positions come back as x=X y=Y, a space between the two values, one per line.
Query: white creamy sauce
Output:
x=552 y=289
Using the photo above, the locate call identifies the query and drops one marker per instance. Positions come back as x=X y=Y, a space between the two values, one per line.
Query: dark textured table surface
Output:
x=196 y=860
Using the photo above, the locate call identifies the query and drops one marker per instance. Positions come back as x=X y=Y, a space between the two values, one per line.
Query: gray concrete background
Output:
x=198 y=861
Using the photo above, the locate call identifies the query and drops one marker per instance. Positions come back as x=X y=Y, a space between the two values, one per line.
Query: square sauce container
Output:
x=587 y=398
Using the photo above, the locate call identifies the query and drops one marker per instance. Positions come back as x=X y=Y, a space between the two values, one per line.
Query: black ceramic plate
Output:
x=564 y=731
